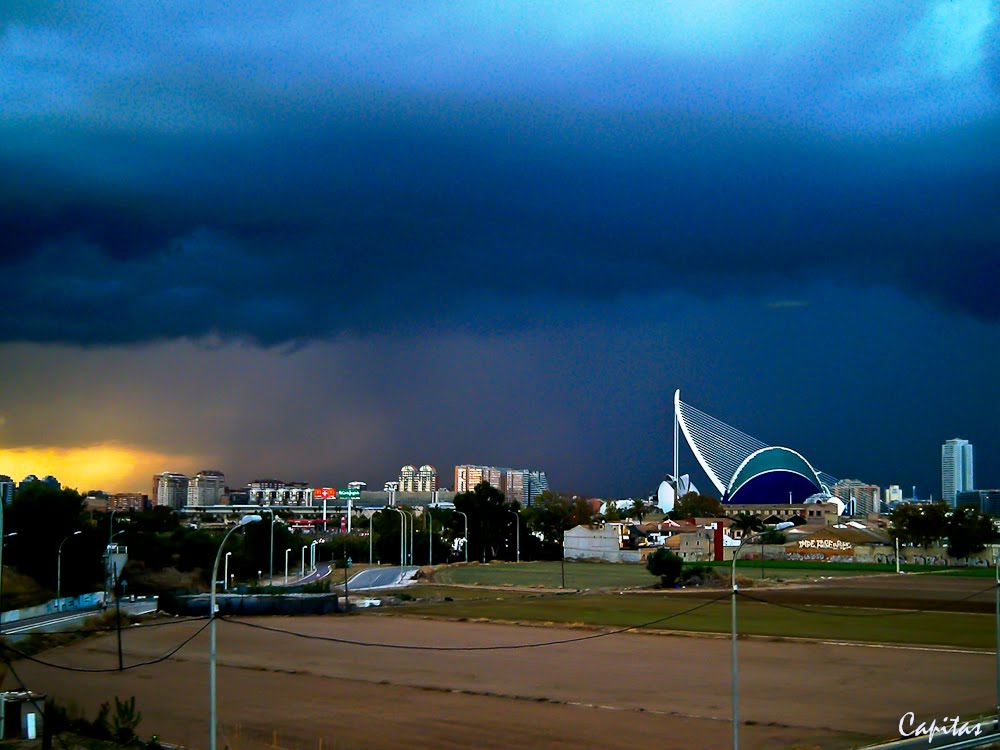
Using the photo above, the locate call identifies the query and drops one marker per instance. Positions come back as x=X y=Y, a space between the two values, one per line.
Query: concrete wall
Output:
x=50 y=607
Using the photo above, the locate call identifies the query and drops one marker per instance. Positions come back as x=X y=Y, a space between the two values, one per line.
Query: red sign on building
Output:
x=325 y=493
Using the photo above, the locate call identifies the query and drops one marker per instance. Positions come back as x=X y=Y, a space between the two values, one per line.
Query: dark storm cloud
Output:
x=293 y=174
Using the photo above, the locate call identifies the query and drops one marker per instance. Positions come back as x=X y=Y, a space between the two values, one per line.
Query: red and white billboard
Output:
x=325 y=493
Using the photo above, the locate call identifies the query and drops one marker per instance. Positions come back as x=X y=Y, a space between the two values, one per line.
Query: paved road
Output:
x=321 y=572
x=71 y=619
x=382 y=578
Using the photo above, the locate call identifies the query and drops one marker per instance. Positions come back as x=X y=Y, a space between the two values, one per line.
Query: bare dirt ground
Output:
x=620 y=691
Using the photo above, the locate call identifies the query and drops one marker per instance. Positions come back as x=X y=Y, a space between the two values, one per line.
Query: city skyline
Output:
x=319 y=241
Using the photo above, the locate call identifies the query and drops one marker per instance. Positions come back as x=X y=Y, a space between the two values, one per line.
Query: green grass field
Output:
x=756 y=618
x=590 y=575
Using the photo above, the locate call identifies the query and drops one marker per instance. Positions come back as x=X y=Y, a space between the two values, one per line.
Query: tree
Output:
x=919 y=524
x=611 y=512
x=552 y=515
x=638 y=510
x=695 y=505
x=43 y=518
x=747 y=523
x=490 y=522
x=969 y=530
x=772 y=536
x=666 y=565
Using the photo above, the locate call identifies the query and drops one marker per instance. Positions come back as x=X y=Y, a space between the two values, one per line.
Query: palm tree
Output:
x=747 y=523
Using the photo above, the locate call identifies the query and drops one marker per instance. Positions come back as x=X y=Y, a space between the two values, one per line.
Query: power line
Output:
x=944 y=606
x=495 y=647
x=64 y=668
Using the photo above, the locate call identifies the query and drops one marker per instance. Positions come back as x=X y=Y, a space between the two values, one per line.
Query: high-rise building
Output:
x=860 y=498
x=206 y=488
x=520 y=485
x=50 y=480
x=7 y=488
x=423 y=479
x=170 y=489
x=524 y=485
x=894 y=494
x=956 y=469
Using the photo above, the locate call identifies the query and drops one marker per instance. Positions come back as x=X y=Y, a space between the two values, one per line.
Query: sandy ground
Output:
x=622 y=691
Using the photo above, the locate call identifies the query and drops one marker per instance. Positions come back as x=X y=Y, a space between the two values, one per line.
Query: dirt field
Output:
x=621 y=691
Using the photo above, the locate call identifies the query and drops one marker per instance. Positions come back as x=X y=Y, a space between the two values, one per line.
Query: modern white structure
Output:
x=894 y=494
x=956 y=469
x=743 y=469
x=666 y=498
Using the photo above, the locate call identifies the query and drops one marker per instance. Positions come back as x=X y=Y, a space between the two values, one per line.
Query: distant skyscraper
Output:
x=7 y=487
x=894 y=494
x=956 y=469
x=170 y=489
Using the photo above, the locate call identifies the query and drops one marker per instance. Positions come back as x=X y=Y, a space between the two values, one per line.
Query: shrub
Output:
x=666 y=565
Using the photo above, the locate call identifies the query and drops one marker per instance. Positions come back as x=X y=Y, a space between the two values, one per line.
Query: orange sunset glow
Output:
x=112 y=467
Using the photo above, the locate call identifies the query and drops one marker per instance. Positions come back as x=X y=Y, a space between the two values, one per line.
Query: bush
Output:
x=666 y=565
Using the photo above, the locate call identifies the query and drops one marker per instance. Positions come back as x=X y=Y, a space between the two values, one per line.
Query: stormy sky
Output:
x=319 y=241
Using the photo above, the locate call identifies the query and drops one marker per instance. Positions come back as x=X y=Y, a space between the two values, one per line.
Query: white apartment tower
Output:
x=956 y=469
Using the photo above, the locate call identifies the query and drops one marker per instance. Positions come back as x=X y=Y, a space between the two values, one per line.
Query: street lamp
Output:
x=303 y=573
x=211 y=625
x=402 y=535
x=312 y=554
x=736 y=701
x=430 y=537
x=270 y=580
x=225 y=577
x=517 y=527
x=466 y=534
x=59 y=570
x=286 y=564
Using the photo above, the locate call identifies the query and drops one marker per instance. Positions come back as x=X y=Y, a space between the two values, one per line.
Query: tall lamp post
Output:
x=517 y=527
x=402 y=535
x=312 y=554
x=466 y=534
x=303 y=572
x=430 y=537
x=59 y=569
x=211 y=630
x=225 y=576
x=270 y=579
x=286 y=564
x=736 y=700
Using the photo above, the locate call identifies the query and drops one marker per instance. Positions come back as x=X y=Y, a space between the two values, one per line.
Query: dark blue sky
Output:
x=319 y=242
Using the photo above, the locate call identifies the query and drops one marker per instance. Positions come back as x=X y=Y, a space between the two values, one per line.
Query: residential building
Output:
x=826 y=514
x=7 y=489
x=467 y=476
x=859 y=498
x=524 y=485
x=277 y=492
x=128 y=501
x=520 y=485
x=170 y=489
x=423 y=479
x=956 y=469
x=206 y=488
